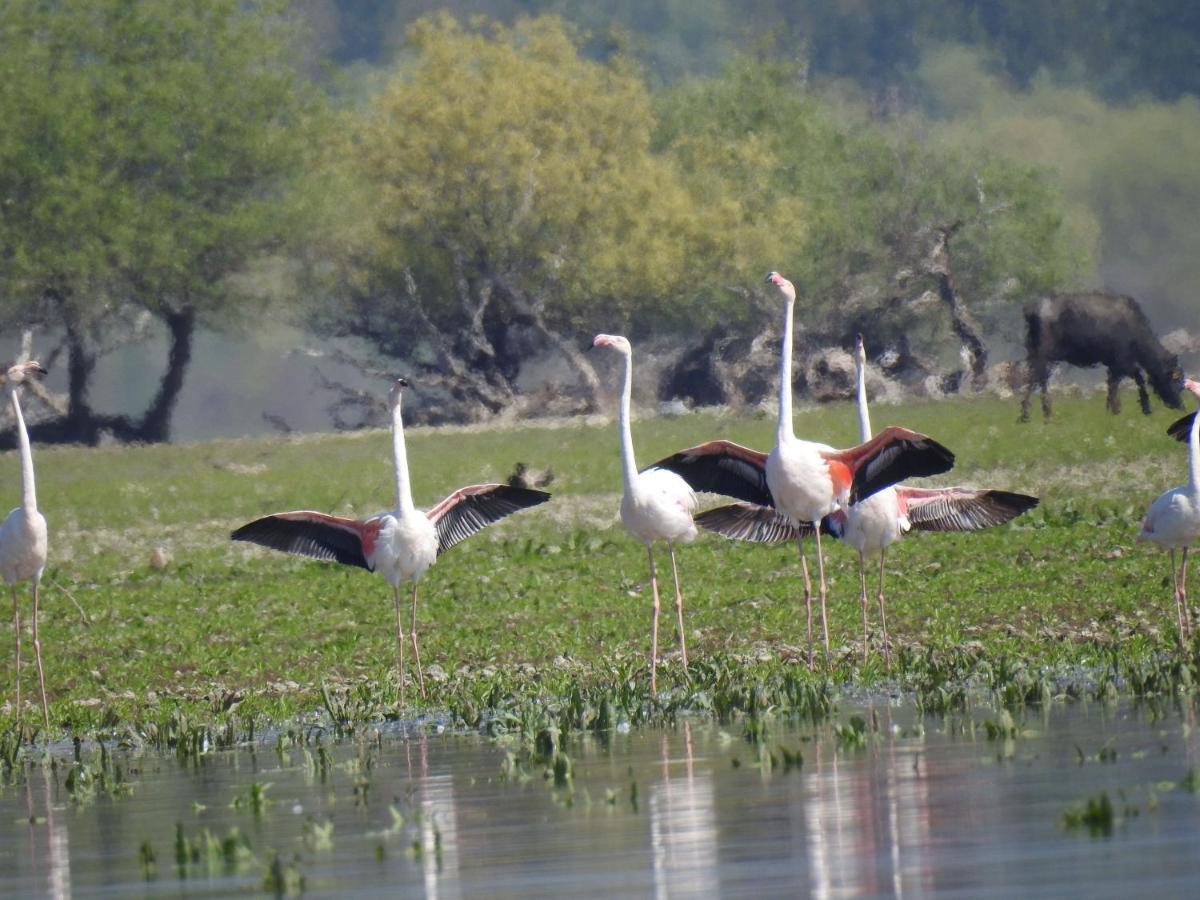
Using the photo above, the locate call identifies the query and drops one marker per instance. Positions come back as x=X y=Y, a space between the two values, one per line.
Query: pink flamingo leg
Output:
x=654 y=628
x=399 y=638
x=17 y=663
x=887 y=653
x=821 y=576
x=807 y=598
x=1175 y=597
x=862 y=580
x=412 y=633
x=37 y=653
x=679 y=609
x=1187 y=616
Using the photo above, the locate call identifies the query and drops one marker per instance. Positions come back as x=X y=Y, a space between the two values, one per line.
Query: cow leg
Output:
x=1036 y=375
x=1143 y=397
x=1114 y=397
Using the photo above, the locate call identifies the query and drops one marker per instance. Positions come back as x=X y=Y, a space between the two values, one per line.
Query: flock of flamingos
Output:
x=799 y=489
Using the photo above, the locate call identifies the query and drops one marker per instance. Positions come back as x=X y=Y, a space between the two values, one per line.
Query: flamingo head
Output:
x=785 y=287
x=22 y=372
x=860 y=351
x=396 y=390
x=615 y=341
x=1192 y=387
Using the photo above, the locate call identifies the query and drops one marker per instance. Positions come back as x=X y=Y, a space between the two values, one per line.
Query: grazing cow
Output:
x=1094 y=329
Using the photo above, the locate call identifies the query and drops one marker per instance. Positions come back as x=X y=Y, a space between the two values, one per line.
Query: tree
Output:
x=144 y=161
x=508 y=204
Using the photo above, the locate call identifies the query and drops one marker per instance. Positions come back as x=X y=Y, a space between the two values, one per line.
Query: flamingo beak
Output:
x=37 y=368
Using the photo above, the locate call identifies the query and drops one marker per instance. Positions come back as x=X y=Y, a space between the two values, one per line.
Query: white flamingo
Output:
x=400 y=544
x=806 y=480
x=23 y=542
x=657 y=505
x=876 y=522
x=1173 y=520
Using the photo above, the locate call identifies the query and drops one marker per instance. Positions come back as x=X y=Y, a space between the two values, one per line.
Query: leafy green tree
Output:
x=145 y=158
x=506 y=187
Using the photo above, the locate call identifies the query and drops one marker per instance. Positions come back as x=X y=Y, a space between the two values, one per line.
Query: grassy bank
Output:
x=555 y=602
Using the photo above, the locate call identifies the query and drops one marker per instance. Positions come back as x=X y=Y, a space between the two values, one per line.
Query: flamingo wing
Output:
x=722 y=467
x=471 y=508
x=892 y=455
x=1181 y=429
x=961 y=509
x=316 y=535
x=750 y=522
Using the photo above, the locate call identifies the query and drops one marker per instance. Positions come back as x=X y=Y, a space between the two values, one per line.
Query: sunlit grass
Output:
x=558 y=596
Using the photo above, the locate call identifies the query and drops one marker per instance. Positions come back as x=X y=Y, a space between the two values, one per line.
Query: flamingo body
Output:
x=803 y=484
x=660 y=507
x=872 y=525
x=1173 y=520
x=23 y=545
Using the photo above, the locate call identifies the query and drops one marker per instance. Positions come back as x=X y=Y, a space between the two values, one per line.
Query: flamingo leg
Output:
x=412 y=633
x=821 y=587
x=1187 y=615
x=807 y=598
x=679 y=609
x=399 y=638
x=37 y=653
x=654 y=627
x=862 y=580
x=887 y=653
x=1175 y=596
x=16 y=628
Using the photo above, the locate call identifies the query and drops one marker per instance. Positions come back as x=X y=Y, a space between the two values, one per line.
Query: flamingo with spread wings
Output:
x=874 y=523
x=400 y=544
x=805 y=480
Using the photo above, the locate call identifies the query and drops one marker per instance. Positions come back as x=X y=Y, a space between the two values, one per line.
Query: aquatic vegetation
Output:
x=1095 y=814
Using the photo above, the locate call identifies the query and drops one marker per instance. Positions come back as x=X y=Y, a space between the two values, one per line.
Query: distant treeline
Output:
x=497 y=192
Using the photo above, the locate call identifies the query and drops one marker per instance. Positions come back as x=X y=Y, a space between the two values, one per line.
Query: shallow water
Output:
x=924 y=806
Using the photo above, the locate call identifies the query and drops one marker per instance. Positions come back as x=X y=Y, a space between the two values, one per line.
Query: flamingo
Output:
x=399 y=544
x=23 y=542
x=657 y=505
x=806 y=480
x=1173 y=520
x=873 y=524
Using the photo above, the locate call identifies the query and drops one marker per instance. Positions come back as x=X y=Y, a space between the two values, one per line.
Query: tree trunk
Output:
x=961 y=320
x=155 y=426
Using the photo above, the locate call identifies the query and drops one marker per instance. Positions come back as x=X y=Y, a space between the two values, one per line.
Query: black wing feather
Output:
x=901 y=459
x=467 y=511
x=304 y=537
x=1181 y=429
x=751 y=522
x=984 y=509
x=715 y=473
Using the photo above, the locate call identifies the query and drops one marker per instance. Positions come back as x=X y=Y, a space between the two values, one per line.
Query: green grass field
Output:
x=554 y=602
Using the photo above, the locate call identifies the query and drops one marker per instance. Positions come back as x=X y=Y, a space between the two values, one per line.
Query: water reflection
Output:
x=683 y=825
x=693 y=810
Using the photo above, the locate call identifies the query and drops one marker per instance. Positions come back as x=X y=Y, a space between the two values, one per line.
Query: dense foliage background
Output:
x=471 y=186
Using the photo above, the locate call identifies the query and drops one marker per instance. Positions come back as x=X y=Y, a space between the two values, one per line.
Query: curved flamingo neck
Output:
x=784 y=428
x=28 y=488
x=404 y=501
x=864 y=414
x=628 y=463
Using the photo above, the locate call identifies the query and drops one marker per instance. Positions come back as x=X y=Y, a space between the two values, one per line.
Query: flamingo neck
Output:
x=28 y=489
x=628 y=463
x=784 y=428
x=404 y=501
x=864 y=415
x=1193 y=455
